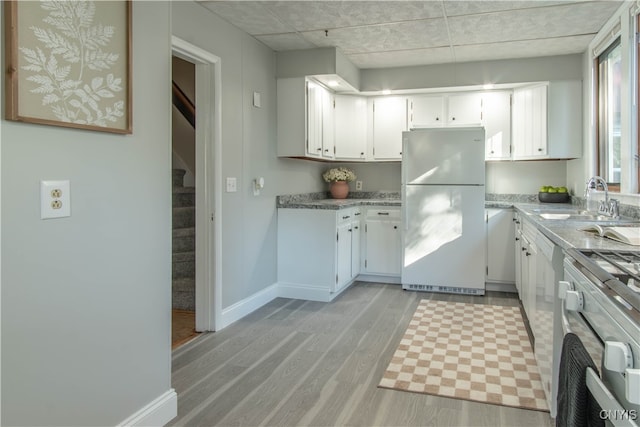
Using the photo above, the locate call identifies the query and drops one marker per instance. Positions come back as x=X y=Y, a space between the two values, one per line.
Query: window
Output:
x=609 y=79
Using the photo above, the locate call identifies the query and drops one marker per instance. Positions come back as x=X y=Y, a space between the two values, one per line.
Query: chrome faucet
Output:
x=606 y=207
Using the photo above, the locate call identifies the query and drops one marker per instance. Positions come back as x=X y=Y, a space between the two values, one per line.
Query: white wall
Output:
x=248 y=150
x=86 y=300
x=524 y=177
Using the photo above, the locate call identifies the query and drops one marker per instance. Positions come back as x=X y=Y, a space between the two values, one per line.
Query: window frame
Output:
x=617 y=42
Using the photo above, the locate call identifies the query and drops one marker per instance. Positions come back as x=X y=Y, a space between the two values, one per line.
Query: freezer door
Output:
x=443 y=156
x=444 y=236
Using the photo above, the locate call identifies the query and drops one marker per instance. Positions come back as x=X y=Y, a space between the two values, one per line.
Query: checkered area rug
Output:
x=467 y=351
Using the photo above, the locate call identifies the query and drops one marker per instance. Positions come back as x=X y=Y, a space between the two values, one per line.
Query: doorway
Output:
x=206 y=178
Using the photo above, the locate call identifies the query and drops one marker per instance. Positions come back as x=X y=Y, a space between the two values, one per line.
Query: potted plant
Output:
x=339 y=179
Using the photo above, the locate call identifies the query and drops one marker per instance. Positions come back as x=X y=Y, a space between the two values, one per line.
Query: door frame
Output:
x=208 y=178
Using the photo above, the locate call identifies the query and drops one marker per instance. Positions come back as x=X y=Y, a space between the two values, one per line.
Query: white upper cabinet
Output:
x=464 y=109
x=426 y=111
x=531 y=122
x=496 y=116
x=389 y=121
x=350 y=117
x=305 y=119
x=547 y=121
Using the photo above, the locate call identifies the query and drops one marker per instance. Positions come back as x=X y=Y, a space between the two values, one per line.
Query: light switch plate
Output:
x=55 y=199
x=232 y=185
x=256 y=99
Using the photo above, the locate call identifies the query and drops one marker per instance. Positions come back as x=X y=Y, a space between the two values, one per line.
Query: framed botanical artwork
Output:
x=68 y=63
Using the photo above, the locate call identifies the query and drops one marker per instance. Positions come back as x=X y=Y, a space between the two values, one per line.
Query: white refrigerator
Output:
x=443 y=195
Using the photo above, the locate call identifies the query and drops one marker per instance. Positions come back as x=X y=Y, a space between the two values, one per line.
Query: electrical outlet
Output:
x=358 y=185
x=55 y=199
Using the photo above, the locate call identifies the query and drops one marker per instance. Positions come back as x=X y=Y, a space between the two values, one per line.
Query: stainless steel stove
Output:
x=618 y=270
x=599 y=300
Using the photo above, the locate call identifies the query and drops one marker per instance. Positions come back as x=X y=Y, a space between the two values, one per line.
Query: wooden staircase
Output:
x=184 y=244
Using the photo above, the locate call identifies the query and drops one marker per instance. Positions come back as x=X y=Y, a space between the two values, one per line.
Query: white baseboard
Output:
x=155 y=414
x=501 y=287
x=248 y=305
x=394 y=280
x=297 y=291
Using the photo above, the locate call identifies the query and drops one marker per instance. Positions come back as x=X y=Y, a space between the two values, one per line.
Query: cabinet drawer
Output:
x=346 y=215
x=382 y=213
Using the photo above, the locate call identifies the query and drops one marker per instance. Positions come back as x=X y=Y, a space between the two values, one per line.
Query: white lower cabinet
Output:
x=321 y=252
x=500 y=255
x=317 y=251
x=383 y=251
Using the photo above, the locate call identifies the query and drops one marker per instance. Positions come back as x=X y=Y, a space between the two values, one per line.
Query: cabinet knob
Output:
x=401 y=153
x=453 y=118
x=346 y=217
x=528 y=253
x=539 y=149
x=517 y=238
x=319 y=149
x=350 y=230
x=383 y=213
x=437 y=118
x=395 y=227
x=326 y=150
x=523 y=249
x=355 y=228
x=492 y=151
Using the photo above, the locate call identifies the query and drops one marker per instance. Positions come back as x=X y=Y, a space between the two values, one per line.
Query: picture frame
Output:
x=69 y=64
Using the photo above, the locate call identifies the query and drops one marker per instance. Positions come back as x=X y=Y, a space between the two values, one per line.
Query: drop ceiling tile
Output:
x=376 y=38
x=530 y=24
x=321 y=15
x=251 y=16
x=522 y=49
x=286 y=41
x=402 y=58
x=472 y=7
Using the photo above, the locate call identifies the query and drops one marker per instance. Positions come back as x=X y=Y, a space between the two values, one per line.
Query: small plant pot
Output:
x=339 y=189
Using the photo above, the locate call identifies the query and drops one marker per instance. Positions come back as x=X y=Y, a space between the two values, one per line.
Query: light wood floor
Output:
x=303 y=363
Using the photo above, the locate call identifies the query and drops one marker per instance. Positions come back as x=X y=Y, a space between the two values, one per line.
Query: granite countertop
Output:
x=321 y=200
x=562 y=232
x=566 y=234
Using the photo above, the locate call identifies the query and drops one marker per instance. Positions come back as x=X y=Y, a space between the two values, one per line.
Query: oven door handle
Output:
x=611 y=408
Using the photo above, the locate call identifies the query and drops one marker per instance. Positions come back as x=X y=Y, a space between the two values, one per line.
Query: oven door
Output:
x=578 y=304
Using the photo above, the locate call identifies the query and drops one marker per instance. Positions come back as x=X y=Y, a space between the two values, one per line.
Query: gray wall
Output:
x=86 y=300
x=248 y=150
x=505 y=71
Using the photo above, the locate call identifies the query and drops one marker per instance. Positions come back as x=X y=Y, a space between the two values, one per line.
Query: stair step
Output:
x=183 y=265
x=186 y=256
x=186 y=196
x=184 y=240
x=183 y=300
x=185 y=284
x=184 y=217
x=177 y=177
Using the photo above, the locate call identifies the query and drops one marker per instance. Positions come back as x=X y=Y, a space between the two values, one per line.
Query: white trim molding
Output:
x=248 y=305
x=157 y=413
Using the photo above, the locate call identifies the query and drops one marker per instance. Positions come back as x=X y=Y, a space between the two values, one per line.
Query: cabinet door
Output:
x=343 y=254
x=383 y=247
x=350 y=116
x=539 y=120
x=426 y=111
x=530 y=122
x=496 y=116
x=389 y=121
x=356 y=227
x=328 y=122
x=500 y=254
x=314 y=119
x=465 y=109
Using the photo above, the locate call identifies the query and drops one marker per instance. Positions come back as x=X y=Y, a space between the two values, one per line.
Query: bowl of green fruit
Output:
x=551 y=194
